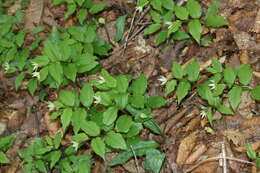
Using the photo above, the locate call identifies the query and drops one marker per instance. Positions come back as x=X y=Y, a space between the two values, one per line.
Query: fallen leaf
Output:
x=33 y=14
x=186 y=147
x=53 y=126
x=235 y=136
x=244 y=58
x=200 y=149
x=255 y=146
x=246 y=105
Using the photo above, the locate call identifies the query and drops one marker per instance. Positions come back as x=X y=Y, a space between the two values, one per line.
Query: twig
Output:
x=217 y=158
x=223 y=152
x=136 y=161
x=130 y=29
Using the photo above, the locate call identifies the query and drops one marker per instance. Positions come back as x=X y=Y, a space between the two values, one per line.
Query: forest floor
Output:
x=189 y=142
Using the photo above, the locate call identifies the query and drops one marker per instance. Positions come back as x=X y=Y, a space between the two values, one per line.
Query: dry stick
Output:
x=136 y=161
x=224 y=158
x=217 y=158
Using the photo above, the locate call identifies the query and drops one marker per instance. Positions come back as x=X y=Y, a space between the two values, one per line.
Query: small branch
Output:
x=136 y=161
x=223 y=152
x=217 y=158
x=130 y=29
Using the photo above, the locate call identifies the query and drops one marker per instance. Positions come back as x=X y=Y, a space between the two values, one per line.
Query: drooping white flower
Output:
x=36 y=74
x=97 y=99
x=35 y=66
x=51 y=106
x=101 y=80
x=6 y=66
x=139 y=9
x=203 y=114
x=212 y=85
x=170 y=25
x=75 y=145
x=163 y=80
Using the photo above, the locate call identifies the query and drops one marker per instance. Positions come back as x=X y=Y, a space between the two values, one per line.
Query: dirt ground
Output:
x=189 y=144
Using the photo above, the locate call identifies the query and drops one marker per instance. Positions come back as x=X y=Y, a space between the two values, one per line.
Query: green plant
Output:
x=169 y=19
x=110 y=112
x=83 y=8
x=5 y=144
x=252 y=154
x=45 y=155
x=232 y=81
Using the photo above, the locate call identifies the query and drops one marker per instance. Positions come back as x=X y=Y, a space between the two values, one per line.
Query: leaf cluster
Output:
x=180 y=22
x=5 y=144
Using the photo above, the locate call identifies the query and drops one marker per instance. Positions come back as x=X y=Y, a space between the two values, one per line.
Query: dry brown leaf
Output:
x=252 y=122
x=257 y=22
x=244 y=58
x=185 y=148
x=53 y=126
x=33 y=14
x=255 y=146
x=235 y=136
x=193 y=124
x=209 y=167
x=246 y=105
x=196 y=154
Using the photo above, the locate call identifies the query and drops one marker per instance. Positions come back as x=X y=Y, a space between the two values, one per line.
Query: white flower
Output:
x=212 y=85
x=51 y=106
x=6 y=66
x=170 y=24
x=35 y=66
x=163 y=80
x=139 y=8
x=36 y=74
x=75 y=145
x=101 y=80
x=97 y=99
x=203 y=114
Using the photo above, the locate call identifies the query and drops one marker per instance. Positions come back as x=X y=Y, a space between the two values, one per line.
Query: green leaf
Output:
x=156 y=4
x=57 y=140
x=215 y=21
x=78 y=116
x=195 y=29
x=245 y=74
x=76 y=33
x=153 y=126
x=168 y=4
x=219 y=89
x=90 y=128
x=99 y=147
x=182 y=90
x=213 y=9
x=139 y=86
x=56 y=71
x=121 y=100
x=229 y=76
x=123 y=124
x=3 y=158
x=180 y=35
x=153 y=161
x=193 y=71
x=97 y=8
x=40 y=166
x=38 y=29
x=161 y=37
x=85 y=62
x=110 y=115
x=54 y=157
x=115 y=140
x=82 y=15
x=216 y=67
x=152 y=29
x=122 y=83
x=137 y=101
x=70 y=71
x=67 y=97
x=210 y=115
x=234 y=97
x=110 y=81
x=20 y=38
x=224 y=110
x=134 y=130
x=156 y=101
x=43 y=73
x=6 y=142
x=194 y=8
x=120 y=27
x=156 y=17
x=65 y=118
x=19 y=80
x=258 y=162
x=170 y=86
x=32 y=85
x=250 y=151
x=80 y=2
x=181 y=12
x=86 y=95
x=105 y=98
x=177 y=71
x=255 y=93
x=81 y=137
x=71 y=8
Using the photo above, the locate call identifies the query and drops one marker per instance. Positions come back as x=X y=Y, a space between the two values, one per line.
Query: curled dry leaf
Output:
x=200 y=149
x=246 y=105
x=235 y=136
x=33 y=14
x=209 y=167
x=185 y=148
x=52 y=125
x=252 y=122
x=244 y=58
